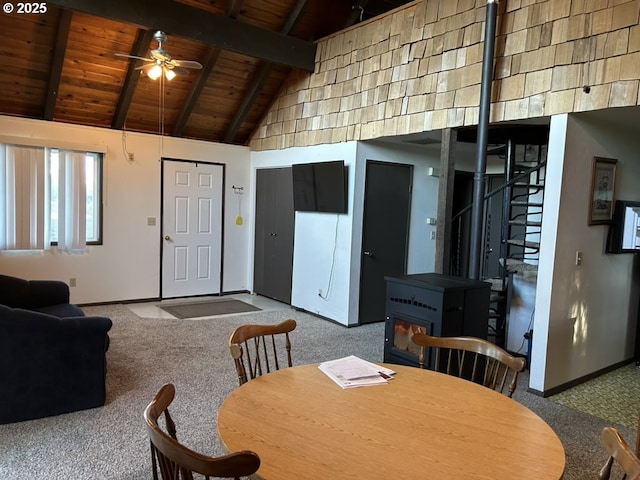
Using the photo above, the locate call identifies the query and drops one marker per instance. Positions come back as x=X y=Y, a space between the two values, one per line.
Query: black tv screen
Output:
x=319 y=187
x=624 y=232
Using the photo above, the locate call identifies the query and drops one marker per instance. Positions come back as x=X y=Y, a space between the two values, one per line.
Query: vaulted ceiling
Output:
x=62 y=65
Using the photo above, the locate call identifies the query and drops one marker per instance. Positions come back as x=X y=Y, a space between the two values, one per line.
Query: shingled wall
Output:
x=418 y=68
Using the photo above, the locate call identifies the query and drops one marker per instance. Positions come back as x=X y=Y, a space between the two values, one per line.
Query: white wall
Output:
x=317 y=236
x=127 y=265
x=320 y=236
x=585 y=315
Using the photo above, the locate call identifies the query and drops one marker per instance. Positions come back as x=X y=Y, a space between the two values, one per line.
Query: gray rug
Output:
x=111 y=443
x=208 y=309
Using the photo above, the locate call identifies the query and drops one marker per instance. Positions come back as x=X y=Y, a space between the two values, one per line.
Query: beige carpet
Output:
x=110 y=442
x=208 y=309
x=614 y=396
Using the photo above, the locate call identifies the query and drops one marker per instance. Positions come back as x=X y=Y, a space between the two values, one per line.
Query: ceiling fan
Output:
x=160 y=62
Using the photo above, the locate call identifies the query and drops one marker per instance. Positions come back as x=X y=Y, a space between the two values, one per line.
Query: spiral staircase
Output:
x=521 y=226
x=512 y=226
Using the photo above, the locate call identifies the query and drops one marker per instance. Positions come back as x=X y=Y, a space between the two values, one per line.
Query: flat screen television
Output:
x=624 y=232
x=320 y=187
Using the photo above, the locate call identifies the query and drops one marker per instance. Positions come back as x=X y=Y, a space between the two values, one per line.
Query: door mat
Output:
x=208 y=309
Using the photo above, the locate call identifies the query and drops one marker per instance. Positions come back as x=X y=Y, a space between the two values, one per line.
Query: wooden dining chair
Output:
x=174 y=461
x=619 y=451
x=259 y=349
x=472 y=358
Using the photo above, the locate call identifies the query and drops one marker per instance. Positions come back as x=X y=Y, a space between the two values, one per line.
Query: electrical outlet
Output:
x=432 y=235
x=578 y=258
x=131 y=157
x=72 y=282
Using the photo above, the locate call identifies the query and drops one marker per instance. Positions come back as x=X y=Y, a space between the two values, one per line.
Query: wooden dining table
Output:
x=421 y=424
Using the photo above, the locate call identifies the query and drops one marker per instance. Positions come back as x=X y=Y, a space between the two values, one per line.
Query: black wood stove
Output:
x=439 y=305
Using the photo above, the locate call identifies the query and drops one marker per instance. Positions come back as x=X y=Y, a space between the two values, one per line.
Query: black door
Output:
x=387 y=201
x=273 y=249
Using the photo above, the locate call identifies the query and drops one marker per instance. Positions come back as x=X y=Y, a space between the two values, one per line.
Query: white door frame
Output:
x=191 y=228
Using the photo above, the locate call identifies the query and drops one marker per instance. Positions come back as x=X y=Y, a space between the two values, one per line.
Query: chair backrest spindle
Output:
x=472 y=358
x=262 y=354
x=174 y=461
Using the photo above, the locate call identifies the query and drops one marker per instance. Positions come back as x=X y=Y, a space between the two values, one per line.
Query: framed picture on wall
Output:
x=603 y=181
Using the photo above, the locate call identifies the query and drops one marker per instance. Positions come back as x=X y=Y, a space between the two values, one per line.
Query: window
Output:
x=92 y=168
x=50 y=197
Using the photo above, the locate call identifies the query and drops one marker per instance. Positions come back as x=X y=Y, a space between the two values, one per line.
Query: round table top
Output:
x=421 y=424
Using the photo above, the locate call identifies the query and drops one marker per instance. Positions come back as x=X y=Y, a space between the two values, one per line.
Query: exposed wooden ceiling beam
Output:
x=263 y=74
x=294 y=16
x=190 y=102
x=247 y=102
x=214 y=30
x=143 y=39
x=56 y=65
x=232 y=11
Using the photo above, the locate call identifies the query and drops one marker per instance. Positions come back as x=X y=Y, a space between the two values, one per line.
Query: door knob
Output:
x=368 y=254
x=167 y=238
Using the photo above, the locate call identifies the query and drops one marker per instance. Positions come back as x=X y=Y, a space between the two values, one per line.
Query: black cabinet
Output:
x=274 y=232
x=439 y=305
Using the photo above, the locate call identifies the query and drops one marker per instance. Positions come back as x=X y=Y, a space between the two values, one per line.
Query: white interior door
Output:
x=192 y=228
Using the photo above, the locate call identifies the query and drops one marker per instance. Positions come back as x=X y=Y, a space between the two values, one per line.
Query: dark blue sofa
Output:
x=52 y=356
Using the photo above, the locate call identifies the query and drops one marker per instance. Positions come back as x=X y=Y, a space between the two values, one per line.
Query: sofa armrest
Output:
x=87 y=325
x=50 y=365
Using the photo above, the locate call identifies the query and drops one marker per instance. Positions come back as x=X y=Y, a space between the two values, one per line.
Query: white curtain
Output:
x=24 y=198
x=72 y=202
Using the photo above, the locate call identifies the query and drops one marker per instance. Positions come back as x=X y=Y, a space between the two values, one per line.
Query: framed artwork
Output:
x=603 y=181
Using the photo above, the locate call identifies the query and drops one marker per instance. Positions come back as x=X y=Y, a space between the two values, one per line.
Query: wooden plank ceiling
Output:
x=62 y=65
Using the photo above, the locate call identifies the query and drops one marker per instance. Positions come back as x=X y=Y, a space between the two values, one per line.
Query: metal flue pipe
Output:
x=477 y=210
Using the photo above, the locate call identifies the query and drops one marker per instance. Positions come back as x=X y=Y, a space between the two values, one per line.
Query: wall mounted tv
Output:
x=320 y=187
x=624 y=232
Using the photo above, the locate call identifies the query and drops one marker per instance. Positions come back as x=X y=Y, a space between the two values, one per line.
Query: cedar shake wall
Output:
x=418 y=68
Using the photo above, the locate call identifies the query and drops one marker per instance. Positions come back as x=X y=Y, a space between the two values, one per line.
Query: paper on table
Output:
x=351 y=371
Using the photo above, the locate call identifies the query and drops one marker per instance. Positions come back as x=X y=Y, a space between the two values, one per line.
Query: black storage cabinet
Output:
x=439 y=305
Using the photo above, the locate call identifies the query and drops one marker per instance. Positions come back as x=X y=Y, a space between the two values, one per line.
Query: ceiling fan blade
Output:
x=134 y=56
x=187 y=64
x=180 y=70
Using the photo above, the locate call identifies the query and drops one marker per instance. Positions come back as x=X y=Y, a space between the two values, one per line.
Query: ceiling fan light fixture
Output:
x=169 y=74
x=155 y=72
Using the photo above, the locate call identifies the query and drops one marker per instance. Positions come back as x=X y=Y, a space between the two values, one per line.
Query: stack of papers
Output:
x=351 y=371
